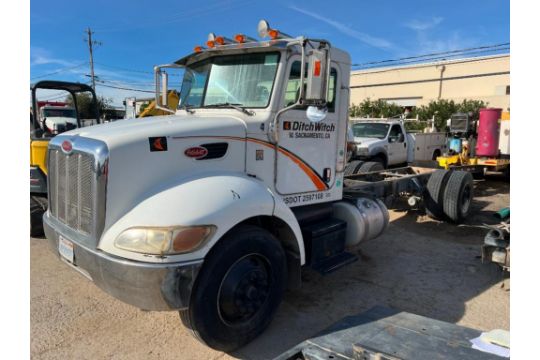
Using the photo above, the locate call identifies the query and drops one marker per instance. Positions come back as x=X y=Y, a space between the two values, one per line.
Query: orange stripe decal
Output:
x=319 y=184
x=314 y=177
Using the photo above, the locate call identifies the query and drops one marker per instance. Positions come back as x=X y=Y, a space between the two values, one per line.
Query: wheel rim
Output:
x=244 y=289
x=466 y=199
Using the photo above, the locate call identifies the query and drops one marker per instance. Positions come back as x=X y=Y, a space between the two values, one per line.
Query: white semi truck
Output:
x=214 y=210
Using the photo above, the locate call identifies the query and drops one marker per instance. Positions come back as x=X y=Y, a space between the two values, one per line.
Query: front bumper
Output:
x=148 y=286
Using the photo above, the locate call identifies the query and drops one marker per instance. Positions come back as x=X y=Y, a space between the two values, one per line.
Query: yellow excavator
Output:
x=46 y=122
x=151 y=109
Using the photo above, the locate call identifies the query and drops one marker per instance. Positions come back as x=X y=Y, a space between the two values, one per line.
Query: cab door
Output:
x=306 y=158
x=397 y=146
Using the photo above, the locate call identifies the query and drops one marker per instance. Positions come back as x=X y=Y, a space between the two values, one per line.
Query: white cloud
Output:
x=363 y=37
x=421 y=25
x=426 y=42
x=40 y=56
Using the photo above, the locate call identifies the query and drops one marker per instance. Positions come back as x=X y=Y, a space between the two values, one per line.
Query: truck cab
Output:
x=58 y=119
x=380 y=140
x=213 y=209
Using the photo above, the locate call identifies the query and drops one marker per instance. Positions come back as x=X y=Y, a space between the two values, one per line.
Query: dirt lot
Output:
x=418 y=265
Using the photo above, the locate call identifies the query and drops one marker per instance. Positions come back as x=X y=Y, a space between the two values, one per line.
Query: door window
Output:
x=396 y=134
x=292 y=91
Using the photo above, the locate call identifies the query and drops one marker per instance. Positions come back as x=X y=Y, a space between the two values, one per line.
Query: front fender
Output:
x=220 y=200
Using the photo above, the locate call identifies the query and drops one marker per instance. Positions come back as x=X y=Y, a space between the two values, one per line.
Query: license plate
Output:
x=65 y=248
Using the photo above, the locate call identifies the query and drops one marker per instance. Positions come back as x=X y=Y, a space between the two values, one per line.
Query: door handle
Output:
x=327 y=175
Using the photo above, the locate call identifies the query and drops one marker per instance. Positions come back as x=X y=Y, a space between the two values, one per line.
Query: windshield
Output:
x=244 y=80
x=69 y=113
x=370 y=130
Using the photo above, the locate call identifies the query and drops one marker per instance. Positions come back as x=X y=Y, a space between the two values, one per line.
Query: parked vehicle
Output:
x=214 y=210
x=387 y=142
x=46 y=121
x=478 y=146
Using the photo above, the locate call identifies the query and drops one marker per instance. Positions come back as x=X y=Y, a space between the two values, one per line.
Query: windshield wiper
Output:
x=231 y=106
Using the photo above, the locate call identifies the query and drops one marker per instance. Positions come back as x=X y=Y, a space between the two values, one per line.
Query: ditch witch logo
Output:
x=301 y=126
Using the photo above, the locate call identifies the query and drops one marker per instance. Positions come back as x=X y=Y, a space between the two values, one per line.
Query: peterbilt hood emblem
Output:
x=67 y=146
x=196 y=152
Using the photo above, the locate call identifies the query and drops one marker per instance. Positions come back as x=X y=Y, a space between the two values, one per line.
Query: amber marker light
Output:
x=240 y=38
x=273 y=34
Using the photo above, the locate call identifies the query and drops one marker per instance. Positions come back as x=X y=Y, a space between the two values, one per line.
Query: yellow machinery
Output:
x=477 y=164
x=151 y=110
x=40 y=136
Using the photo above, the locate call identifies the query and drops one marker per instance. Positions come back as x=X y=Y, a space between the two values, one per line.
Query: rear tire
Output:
x=238 y=289
x=352 y=167
x=434 y=195
x=38 y=206
x=370 y=166
x=458 y=196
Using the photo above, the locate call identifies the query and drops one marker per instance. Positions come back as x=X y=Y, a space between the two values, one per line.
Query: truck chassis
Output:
x=389 y=183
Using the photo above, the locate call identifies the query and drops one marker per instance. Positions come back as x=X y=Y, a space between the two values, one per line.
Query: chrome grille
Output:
x=72 y=186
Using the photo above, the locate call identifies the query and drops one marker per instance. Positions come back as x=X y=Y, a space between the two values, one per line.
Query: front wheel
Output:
x=238 y=289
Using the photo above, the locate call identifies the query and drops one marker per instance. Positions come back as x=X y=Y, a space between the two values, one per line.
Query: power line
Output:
x=54 y=97
x=435 y=58
x=124 y=69
x=458 y=51
x=125 y=88
x=131 y=70
x=59 y=71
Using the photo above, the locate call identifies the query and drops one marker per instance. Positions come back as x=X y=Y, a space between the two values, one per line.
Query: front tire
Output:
x=238 y=289
x=370 y=166
x=352 y=167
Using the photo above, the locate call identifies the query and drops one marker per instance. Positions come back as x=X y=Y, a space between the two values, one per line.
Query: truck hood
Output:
x=125 y=131
x=60 y=120
x=366 y=141
x=137 y=167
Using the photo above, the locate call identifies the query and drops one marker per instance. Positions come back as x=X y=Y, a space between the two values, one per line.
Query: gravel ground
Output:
x=419 y=265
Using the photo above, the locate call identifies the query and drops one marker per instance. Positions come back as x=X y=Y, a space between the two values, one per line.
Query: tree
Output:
x=375 y=109
x=443 y=109
x=84 y=104
x=143 y=106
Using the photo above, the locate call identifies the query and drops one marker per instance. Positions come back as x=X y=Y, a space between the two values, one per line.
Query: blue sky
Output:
x=136 y=35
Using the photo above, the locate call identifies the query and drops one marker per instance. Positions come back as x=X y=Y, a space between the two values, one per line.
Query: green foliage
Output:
x=143 y=107
x=85 y=106
x=375 y=109
x=442 y=110
x=415 y=126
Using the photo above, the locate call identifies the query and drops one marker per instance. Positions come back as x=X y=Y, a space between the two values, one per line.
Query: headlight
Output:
x=362 y=151
x=164 y=241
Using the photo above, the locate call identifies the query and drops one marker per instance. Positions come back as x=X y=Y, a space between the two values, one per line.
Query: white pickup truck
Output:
x=387 y=143
x=213 y=211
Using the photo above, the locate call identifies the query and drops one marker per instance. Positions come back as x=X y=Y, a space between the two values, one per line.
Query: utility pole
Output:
x=91 y=44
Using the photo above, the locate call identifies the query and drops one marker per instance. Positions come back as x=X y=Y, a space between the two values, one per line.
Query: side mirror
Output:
x=401 y=138
x=317 y=77
x=164 y=88
x=316 y=114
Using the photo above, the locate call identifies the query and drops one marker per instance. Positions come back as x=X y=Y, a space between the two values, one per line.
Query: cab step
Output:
x=335 y=262
x=324 y=240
